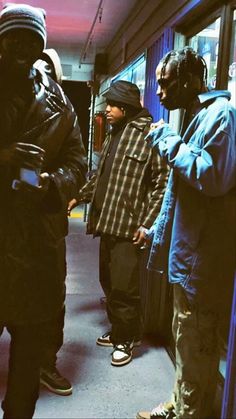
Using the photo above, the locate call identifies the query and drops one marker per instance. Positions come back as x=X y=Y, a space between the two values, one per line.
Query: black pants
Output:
x=54 y=341
x=26 y=347
x=55 y=336
x=120 y=280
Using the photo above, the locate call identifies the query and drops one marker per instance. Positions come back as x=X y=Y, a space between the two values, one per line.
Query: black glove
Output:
x=25 y=155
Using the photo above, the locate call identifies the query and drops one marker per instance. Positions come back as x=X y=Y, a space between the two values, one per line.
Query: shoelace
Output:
x=162 y=411
x=124 y=347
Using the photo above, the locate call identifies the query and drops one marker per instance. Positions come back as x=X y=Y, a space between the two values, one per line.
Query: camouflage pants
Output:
x=195 y=331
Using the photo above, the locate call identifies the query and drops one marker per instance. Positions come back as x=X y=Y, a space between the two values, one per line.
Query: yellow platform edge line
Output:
x=76 y=214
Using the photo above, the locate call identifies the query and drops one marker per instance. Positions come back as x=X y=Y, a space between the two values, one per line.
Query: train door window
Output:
x=206 y=43
x=139 y=78
x=232 y=66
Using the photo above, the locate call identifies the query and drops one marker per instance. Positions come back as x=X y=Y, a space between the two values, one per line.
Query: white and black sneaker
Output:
x=162 y=411
x=105 y=340
x=122 y=354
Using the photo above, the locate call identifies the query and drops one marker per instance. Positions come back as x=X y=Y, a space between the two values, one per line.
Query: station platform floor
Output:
x=100 y=390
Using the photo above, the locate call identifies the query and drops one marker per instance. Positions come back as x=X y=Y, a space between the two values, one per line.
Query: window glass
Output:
x=206 y=44
x=232 y=65
x=135 y=73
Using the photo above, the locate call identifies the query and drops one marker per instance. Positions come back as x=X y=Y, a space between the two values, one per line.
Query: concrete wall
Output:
x=146 y=23
x=141 y=29
x=72 y=69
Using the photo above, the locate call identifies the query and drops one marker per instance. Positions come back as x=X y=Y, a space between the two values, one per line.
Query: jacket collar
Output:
x=213 y=94
x=141 y=119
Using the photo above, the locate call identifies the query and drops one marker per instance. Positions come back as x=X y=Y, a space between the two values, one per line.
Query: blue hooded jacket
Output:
x=194 y=235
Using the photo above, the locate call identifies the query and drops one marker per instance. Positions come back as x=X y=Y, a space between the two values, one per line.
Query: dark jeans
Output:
x=54 y=341
x=120 y=281
x=26 y=347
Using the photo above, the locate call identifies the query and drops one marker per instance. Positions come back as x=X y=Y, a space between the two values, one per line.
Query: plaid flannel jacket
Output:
x=136 y=185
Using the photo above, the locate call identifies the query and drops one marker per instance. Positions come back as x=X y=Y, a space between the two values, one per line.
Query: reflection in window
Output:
x=206 y=43
x=232 y=65
x=135 y=73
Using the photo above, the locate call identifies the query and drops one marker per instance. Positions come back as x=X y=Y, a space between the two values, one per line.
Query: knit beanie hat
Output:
x=18 y=16
x=123 y=91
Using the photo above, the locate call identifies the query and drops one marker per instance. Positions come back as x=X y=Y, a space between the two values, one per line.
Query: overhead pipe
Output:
x=89 y=37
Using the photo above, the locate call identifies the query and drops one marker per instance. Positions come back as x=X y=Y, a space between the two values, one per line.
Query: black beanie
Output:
x=123 y=91
x=23 y=16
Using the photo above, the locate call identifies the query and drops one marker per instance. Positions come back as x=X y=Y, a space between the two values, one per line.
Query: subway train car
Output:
x=100 y=42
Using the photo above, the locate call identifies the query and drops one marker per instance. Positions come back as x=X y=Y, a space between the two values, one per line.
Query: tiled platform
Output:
x=100 y=391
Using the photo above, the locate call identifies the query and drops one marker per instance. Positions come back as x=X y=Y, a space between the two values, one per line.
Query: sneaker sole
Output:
x=145 y=415
x=60 y=392
x=108 y=344
x=121 y=363
x=138 y=343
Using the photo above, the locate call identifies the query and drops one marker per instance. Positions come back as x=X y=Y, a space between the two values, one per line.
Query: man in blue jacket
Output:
x=194 y=236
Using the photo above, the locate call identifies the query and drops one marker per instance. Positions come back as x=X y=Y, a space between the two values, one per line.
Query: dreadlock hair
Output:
x=185 y=61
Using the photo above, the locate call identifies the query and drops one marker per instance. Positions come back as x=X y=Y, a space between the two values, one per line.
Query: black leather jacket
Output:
x=33 y=227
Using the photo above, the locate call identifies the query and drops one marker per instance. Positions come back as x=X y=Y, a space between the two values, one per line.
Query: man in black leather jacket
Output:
x=50 y=377
x=42 y=164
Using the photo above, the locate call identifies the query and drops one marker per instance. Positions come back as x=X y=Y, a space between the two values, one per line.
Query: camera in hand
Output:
x=30 y=158
x=29 y=176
